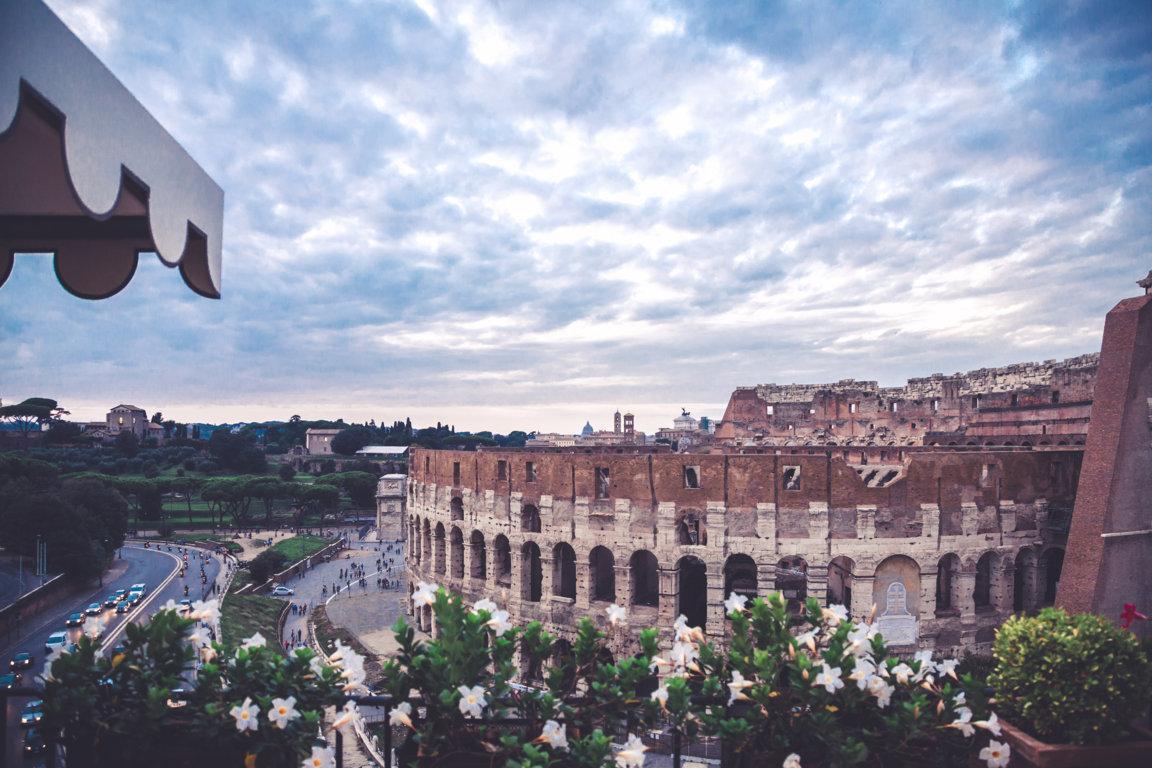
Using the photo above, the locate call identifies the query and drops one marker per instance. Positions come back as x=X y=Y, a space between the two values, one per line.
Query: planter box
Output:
x=1028 y=750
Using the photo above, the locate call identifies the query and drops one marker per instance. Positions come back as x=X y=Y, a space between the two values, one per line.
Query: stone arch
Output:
x=502 y=560
x=896 y=592
x=564 y=571
x=985 y=572
x=692 y=590
x=1025 y=581
x=947 y=584
x=479 y=567
x=840 y=574
x=530 y=518
x=792 y=581
x=456 y=539
x=1051 y=566
x=457 y=508
x=644 y=575
x=531 y=572
x=426 y=546
x=690 y=528
x=740 y=576
x=602 y=574
x=441 y=568
x=414 y=537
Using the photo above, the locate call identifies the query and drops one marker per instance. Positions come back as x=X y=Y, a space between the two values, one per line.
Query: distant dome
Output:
x=587 y=429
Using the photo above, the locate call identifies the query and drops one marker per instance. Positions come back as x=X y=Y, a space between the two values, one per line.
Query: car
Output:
x=134 y=597
x=56 y=639
x=75 y=620
x=111 y=600
x=32 y=713
x=94 y=609
x=10 y=680
x=123 y=606
x=33 y=742
x=282 y=591
x=119 y=594
x=21 y=660
x=140 y=587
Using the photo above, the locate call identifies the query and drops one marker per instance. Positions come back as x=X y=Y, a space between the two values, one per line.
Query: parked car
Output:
x=123 y=606
x=94 y=609
x=110 y=601
x=21 y=660
x=75 y=620
x=282 y=591
x=119 y=594
x=140 y=587
x=134 y=597
x=32 y=713
x=55 y=639
x=33 y=742
x=10 y=680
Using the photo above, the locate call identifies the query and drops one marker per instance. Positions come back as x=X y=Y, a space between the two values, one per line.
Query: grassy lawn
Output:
x=243 y=615
x=299 y=547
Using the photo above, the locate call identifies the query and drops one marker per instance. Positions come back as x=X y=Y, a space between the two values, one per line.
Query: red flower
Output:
x=1130 y=614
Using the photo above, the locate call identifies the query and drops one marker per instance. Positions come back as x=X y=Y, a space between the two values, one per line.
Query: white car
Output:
x=55 y=639
x=282 y=591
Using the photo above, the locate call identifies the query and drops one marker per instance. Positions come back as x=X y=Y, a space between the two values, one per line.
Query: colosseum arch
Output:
x=440 y=555
x=457 y=508
x=947 y=585
x=414 y=537
x=530 y=518
x=840 y=573
x=644 y=573
x=426 y=546
x=564 y=571
x=531 y=572
x=985 y=572
x=502 y=560
x=896 y=593
x=792 y=581
x=740 y=576
x=1025 y=581
x=692 y=590
x=690 y=528
x=602 y=574
x=1051 y=566
x=457 y=541
x=479 y=569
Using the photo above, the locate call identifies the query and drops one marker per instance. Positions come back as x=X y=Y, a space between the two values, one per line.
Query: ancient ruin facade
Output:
x=946 y=543
x=1029 y=404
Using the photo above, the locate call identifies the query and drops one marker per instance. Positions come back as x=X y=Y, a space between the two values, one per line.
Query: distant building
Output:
x=318 y=442
x=154 y=432
x=588 y=430
x=127 y=418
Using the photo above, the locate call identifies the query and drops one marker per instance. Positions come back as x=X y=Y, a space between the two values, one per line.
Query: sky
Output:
x=525 y=215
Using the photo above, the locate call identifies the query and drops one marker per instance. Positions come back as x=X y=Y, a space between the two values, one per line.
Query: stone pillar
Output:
x=546 y=576
x=546 y=512
x=766 y=523
x=1003 y=589
x=715 y=515
x=669 y=607
x=818 y=581
x=865 y=521
x=1007 y=516
x=583 y=586
x=969 y=518
x=966 y=589
x=714 y=626
x=930 y=519
x=765 y=578
x=862 y=587
x=515 y=504
x=818 y=523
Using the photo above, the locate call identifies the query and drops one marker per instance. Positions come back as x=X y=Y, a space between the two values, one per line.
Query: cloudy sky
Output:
x=524 y=214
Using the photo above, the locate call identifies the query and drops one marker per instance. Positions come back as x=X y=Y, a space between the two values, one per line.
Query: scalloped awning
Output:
x=87 y=174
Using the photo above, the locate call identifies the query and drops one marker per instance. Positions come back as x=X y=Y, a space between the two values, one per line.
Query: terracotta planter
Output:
x=1028 y=750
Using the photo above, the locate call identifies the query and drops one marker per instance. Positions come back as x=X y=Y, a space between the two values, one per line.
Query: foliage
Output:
x=265 y=564
x=237 y=452
x=286 y=472
x=299 y=547
x=127 y=443
x=351 y=439
x=360 y=486
x=1078 y=679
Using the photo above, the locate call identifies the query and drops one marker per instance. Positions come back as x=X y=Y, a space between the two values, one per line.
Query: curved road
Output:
x=158 y=568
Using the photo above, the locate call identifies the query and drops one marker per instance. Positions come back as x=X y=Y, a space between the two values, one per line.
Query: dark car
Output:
x=32 y=714
x=123 y=606
x=119 y=594
x=94 y=609
x=33 y=742
x=10 y=680
x=75 y=620
x=110 y=601
x=22 y=660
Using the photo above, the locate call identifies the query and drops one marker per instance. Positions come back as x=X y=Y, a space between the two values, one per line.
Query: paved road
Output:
x=157 y=569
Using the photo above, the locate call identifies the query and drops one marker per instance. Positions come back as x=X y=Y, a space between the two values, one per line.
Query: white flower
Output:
x=808 y=639
x=924 y=657
x=963 y=722
x=947 y=667
x=992 y=724
x=425 y=594
x=207 y=611
x=862 y=673
x=660 y=695
x=401 y=714
x=321 y=757
x=860 y=639
x=683 y=656
x=616 y=614
x=246 y=716
x=472 y=701
x=283 y=711
x=829 y=677
x=685 y=633
x=256 y=641
x=555 y=734
x=199 y=638
x=737 y=686
x=996 y=755
x=484 y=604
x=903 y=673
x=879 y=687
x=348 y=718
x=632 y=755
x=834 y=614
x=316 y=666
x=735 y=602
x=499 y=622
x=959 y=699
x=792 y=761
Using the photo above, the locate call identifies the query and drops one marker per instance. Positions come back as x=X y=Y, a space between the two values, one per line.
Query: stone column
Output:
x=766 y=523
x=930 y=519
x=583 y=586
x=865 y=521
x=669 y=604
x=1007 y=516
x=546 y=572
x=765 y=578
x=714 y=626
x=818 y=523
x=970 y=518
x=818 y=581
x=862 y=587
x=1003 y=590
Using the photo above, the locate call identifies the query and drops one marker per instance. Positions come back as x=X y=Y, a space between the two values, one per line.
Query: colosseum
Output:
x=944 y=541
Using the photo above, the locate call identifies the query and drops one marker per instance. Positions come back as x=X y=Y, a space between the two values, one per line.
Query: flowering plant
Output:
x=171 y=693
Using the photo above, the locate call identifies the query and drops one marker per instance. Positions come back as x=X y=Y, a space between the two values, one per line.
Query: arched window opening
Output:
x=645 y=578
x=947 y=601
x=740 y=576
x=564 y=571
x=692 y=594
x=602 y=572
x=792 y=581
x=503 y=561
x=457 y=553
x=440 y=559
x=530 y=519
x=840 y=572
x=982 y=595
x=531 y=572
x=1052 y=565
x=457 y=505
x=479 y=568
x=690 y=529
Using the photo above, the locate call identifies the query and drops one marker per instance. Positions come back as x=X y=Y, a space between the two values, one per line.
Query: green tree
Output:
x=127 y=444
x=348 y=441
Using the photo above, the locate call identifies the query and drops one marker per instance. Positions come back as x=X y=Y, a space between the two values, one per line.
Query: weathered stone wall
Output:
x=575 y=538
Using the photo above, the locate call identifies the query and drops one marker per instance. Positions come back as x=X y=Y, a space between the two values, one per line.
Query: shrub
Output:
x=150 y=470
x=287 y=472
x=190 y=465
x=265 y=564
x=1077 y=679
